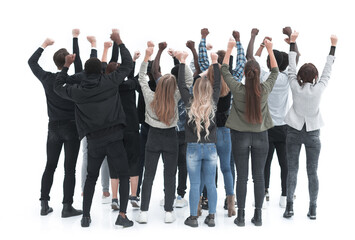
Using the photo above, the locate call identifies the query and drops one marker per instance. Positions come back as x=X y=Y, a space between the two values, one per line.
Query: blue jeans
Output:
x=224 y=149
x=201 y=159
x=311 y=141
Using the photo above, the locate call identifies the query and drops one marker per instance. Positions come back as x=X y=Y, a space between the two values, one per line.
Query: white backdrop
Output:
x=26 y=24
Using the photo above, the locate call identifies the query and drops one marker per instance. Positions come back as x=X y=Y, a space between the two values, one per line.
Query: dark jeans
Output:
x=164 y=142
x=257 y=144
x=143 y=135
x=182 y=173
x=61 y=133
x=131 y=143
x=111 y=146
x=312 y=144
x=277 y=140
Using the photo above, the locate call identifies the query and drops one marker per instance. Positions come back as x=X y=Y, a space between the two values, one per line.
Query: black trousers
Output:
x=143 y=135
x=111 y=146
x=61 y=133
x=164 y=142
x=182 y=173
x=131 y=143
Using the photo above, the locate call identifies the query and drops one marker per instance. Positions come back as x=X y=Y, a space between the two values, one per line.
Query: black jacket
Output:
x=97 y=101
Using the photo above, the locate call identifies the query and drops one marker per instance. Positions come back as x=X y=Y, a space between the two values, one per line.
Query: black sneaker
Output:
x=191 y=221
x=45 y=209
x=69 y=211
x=124 y=222
x=209 y=220
x=289 y=210
x=312 y=212
x=85 y=221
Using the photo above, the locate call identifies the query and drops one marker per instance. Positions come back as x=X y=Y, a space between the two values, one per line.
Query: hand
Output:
x=190 y=44
x=47 y=42
x=293 y=36
x=91 y=39
x=181 y=56
x=209 y=46
x=115 y=30
x=116 y=37
x=162 y=46
x=171 y=52
x=231 y=43
x=236 y=36
x=69 y=59
x=107 y=44
x=334 y=40
x=254 y=31
x=287 y=31
x=268 y=44
x=149 y=52
x=136 y=55
x=75 y=32
x=214 y=57
x=204 y=32
x=150 y=44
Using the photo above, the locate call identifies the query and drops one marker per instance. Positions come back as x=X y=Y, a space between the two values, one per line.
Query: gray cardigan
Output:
x=150 y=116
x=306 y=99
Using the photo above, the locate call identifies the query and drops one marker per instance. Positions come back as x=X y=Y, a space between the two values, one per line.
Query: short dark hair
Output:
x=59 y=57
x=93 y=66
x=284 y=64
x=278 y=56
x=221 y=54
x=307 y=73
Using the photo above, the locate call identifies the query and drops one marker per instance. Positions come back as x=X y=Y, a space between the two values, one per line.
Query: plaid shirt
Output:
x=240 y=64
x=203 y=56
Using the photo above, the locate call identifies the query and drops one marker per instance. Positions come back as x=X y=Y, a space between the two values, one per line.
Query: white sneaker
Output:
x=180 y=202
x=283 y=201
x=106 y=200
x=142 y=217
x=169 y=217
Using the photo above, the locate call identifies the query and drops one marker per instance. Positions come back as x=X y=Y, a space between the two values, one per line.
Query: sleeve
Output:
x=143 y=80
x=292 y=71
x=240 y=62
x=216 y=83
x=323 y=81
x=115 y=53
x=203 y=61
x=61 y=87
x=184 y=90
x=229 y=79
x=176 y=61
x=35 y=67
x=131 y=74
x=78 y=66
x=93 y=53
x=125 y=68
x=270 y=81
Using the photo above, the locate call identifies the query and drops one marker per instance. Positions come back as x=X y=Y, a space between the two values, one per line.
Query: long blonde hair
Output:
x=163 y=103
x=202 y=108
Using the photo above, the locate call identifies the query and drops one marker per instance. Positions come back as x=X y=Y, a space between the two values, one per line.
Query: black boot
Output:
x=289 y=210
x=45 y=209
x=240 y=220
x=69 y=211
x=312 y=212
x=85 y=221
x=257 y=217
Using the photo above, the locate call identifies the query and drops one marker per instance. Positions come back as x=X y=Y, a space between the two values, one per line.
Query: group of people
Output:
x=191 y=117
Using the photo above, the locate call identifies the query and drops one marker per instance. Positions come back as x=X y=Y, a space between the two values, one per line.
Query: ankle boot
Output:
x=289 y=210
x=231 y=205
x=240 y=219
x=257 y=217
x=312 y=212
x=45 y=209
x=69 y=211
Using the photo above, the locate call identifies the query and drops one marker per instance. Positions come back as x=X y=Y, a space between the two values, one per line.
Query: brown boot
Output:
x=231 y=207
x=199 y=208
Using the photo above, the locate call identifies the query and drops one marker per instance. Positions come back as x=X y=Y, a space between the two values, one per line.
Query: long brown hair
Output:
x=210 y=75
x=163 y=103
x=253 y=92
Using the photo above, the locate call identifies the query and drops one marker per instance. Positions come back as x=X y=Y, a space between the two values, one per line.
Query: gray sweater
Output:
x=306 y=99
x=150 y=116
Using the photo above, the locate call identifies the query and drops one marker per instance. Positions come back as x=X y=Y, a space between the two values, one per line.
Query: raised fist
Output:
x=254 y=31
x=162 y=46
x=115 y=36
x=69 y=59
x=214 y=57
x=190 y=44
x=209 y=46
x=150 y=44
x=91 y=39
x=107 y=44
x=334 y=40
x=115 y=30
x=294 y=36
x=171 y=52
x=75 y=32
x=47 y=42
x=231 y=43
x=136 y=55
x=149 y=51
x=236 y=36
x=204 y=32
x=287 y=31
x=268 y=44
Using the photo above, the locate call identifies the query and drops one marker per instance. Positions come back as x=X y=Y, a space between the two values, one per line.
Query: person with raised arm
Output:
x=100 y=117
x=78 y=68
x=304 y=121
x=62 y=131
x=162 y=116
x=201 y=137
x=249 y=121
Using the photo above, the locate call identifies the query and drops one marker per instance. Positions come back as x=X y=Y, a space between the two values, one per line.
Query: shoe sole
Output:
x=311 y=217
x=288 y=216
x=258 y=224
x=46 y=213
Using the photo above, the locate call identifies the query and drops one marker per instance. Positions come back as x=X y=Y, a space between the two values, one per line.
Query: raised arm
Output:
x=191 y=45
x=217 y=78
x=143 y=76
x=156 y=63
x=330 y=60
x=270 y=82
x=227 y=76
x=183 y=88
x=288 y=31
x=240 y=62
x=250 y=49
x=107 y=45
x=33 y=60
x=202 y=51
x=292 y=71
x=171 y=53
x=115 y=50
x=92 y=41
x=61 y=87
x=78 y=65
